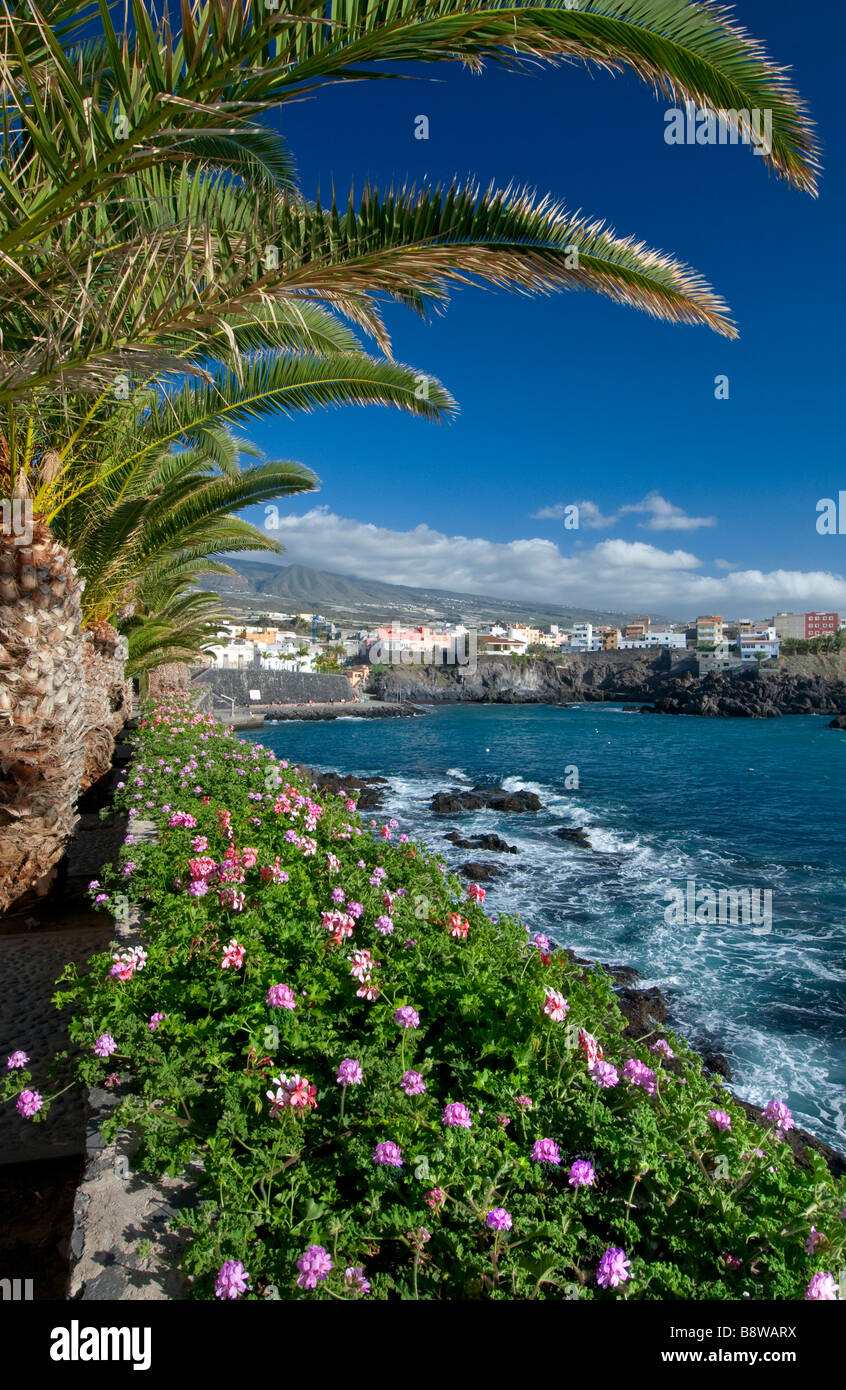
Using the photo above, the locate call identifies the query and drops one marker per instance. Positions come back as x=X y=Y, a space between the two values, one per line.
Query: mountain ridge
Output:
x=303 y=587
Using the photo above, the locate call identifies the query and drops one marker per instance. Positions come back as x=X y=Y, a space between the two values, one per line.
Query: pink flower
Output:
x=545 y=1151
x=613 y=1268
x=341 y=923
x=413 y=1084
x=199 y=843
x=458 y=925
x=604 y=1074
x=29 y=1103
x=294 y=1091
x=582 y=1174
x=355 y=1276
x=456 y=1116
x=821 y=1288
x=281 y=997
x=232 y=1280
x=113 y=1079
x=476 y=893
x=663 y=1047
x=368 y=992
x=105 y=1045
x=17 y=1060
x=313 y=1265
x=778 y=1114
x=155 y=1020
x=233 y=956
x=524 y=1102
x=498 y=1219
x=639 y=1074
x=719 y=1119
x=542 y=942
x=589 y=1046
x=362 y=965
x=349 y=1073
x=407 y=1017
x=385 y=925
x=388 y=1155
x=127 y=962
x=435 y=1197
x=556 y=1006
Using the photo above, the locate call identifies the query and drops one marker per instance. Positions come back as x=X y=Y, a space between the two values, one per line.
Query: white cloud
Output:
x=614 y=574
x=662 y=515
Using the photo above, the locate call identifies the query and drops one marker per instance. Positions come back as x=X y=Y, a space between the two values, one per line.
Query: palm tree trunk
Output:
x=108 y=698
x=42 y=708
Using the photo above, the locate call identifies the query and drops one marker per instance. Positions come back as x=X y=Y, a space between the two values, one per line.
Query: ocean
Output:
x=663 y=800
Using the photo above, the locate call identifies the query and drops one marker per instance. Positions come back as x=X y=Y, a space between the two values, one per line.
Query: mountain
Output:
x=352 y=601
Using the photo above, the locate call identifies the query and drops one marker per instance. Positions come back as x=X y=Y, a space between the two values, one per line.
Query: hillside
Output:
x=298 y=588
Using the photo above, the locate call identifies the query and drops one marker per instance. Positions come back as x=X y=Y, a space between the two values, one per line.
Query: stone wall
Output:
x=286 y=687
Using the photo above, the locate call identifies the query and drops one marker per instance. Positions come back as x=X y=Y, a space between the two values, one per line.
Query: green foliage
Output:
x=679 y=1196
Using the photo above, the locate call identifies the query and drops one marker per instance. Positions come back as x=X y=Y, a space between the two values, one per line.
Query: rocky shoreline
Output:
x=656 y=682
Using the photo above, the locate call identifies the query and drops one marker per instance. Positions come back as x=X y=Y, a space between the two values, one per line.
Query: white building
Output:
x=655 y=637
x=758 y=642
x=582 y=638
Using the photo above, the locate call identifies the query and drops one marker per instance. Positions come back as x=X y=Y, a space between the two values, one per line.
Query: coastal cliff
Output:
x=668 y=683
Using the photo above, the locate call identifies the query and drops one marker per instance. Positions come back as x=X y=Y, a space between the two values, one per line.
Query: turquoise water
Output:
x=754 y=804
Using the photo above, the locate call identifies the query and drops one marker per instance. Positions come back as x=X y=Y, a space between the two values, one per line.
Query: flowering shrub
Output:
x=388 y=1105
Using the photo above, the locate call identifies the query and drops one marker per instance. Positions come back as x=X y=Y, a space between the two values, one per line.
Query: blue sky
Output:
x=570 y=398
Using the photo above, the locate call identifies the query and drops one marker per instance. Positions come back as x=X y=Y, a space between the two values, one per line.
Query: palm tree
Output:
x=140 y=192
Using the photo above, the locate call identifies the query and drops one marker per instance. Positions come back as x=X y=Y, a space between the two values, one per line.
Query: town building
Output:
x=758 y=643
x=709 y=631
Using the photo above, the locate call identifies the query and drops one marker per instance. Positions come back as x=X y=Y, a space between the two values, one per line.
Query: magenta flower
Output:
x=582 y=1174
x=314 y=1264
x=281 y=997
x=663 y=1047
x=388 y=1154
x=105 y=1045
x=349 y=1073
x=29 y=1103
x=155 y=1020
x=498 y=1219
x=779 y=1115
x=435 y=1197
x=613 y=1268
x=639 y=1074
x=604 y=1074
x=232 y=1280
x=355 y=1276
x=456 y=1116
x=355 y=910
x=413 y=1084
x=545 y=1151
x=407 y=1017
x=814 y=1239
x=17 y=1060
x=384 y=924
x=822 y=1288
x=338 y=895
x=719 y=1119
x=524 y=1102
